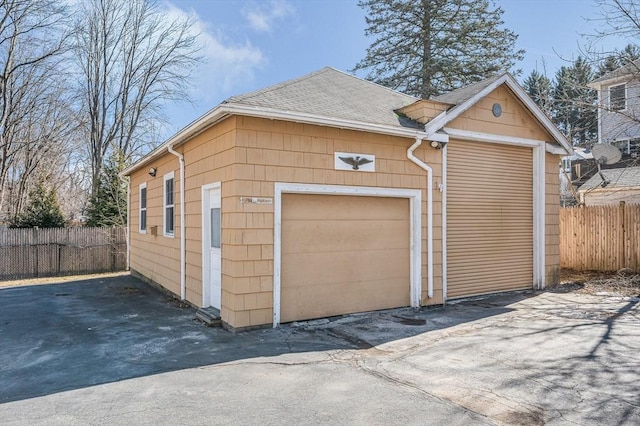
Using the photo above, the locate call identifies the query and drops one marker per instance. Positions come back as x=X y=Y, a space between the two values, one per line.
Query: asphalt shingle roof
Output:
x=332 y=93
x=620 y=178
x=463 y=94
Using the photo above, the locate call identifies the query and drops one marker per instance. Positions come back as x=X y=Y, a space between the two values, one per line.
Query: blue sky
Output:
x=250 y=44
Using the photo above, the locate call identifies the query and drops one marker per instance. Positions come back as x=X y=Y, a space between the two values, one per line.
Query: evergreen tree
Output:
x=540 y=88
x=42 y=210
x=575 y=104
x=427 y=47
x=108 y=207
x=618 y=59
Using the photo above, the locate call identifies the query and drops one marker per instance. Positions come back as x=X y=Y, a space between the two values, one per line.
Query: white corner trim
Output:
x=206 y=270
x=599 y=112
x=415 y=220
x=539 y=212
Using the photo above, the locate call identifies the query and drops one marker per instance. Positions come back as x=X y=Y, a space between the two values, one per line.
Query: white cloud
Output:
x=226 y=63
x=263 y=17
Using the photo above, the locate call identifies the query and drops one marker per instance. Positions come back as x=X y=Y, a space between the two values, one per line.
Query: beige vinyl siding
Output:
x=272 y=151
x=156 y=257
x=248 y=155
x=489 y=218
x=208 y=158
x=552 y=220
x=516 y=120
x=343 y=254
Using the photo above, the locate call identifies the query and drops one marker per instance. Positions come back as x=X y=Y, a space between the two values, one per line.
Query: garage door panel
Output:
x=303 y=269
x=330 y=207
x=489 y=218
x=343 y=254
x=349 y=235
x=324 y=300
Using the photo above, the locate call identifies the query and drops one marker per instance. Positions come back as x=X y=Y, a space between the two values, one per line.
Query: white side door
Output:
x=211 y=247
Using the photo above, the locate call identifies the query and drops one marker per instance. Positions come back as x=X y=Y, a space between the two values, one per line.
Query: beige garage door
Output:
x=489 y=218
x=343 y=254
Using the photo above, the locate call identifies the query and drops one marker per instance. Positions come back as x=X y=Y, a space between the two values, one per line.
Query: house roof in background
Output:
x=618 y=74
x=463 y=94
x=626 y=177
x=332 y=93
x=581 y=154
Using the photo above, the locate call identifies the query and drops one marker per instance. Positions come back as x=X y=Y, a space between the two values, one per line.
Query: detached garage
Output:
x=328 y=195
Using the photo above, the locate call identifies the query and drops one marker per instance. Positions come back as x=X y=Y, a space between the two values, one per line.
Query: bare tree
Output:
x=32 y=43
x=619 y=19
x=133 y=58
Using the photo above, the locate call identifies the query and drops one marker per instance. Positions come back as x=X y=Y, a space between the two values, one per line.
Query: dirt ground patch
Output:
x=624 y=283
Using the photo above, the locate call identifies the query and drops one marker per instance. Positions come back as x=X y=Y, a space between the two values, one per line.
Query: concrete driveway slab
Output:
x=116 y=351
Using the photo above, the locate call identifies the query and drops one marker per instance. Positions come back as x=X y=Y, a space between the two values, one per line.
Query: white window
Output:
x=634 y=148
x=622 y=145
x=168 y=211
x=142 y=217
x=618 y=97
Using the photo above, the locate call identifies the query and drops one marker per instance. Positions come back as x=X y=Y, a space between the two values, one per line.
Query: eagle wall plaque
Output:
x=355 y=162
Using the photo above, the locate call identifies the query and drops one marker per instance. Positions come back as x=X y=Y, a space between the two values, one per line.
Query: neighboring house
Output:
x=577 y=165
x=327 y=195
x=619 y=109
x=623 y=185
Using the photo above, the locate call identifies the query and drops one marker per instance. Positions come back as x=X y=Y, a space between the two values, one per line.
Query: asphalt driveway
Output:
x=116 y=351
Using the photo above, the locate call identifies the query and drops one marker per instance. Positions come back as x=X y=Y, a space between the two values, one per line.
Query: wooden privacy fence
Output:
x=600 y=238
x=33 y=252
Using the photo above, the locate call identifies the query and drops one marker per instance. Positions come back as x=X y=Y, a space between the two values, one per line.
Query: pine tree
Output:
x=108 y=207
x=42 y=210
x=618 y=59
x=540 y=88
x=575 y=104
x=427 y=47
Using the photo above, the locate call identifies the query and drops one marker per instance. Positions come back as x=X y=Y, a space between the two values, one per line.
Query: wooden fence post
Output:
x=35 y=245
x=622 y=236
x=114 y=251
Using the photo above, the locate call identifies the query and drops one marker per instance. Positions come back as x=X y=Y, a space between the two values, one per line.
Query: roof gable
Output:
x=467 y=97
x=514 y=121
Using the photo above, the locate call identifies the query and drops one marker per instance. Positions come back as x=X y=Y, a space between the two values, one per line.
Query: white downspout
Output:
x=128 y=231
x=424 y=166
x=444 y=225
x=183 y=285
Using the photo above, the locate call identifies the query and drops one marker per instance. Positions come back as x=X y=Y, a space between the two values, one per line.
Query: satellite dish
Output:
x=605 y=153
